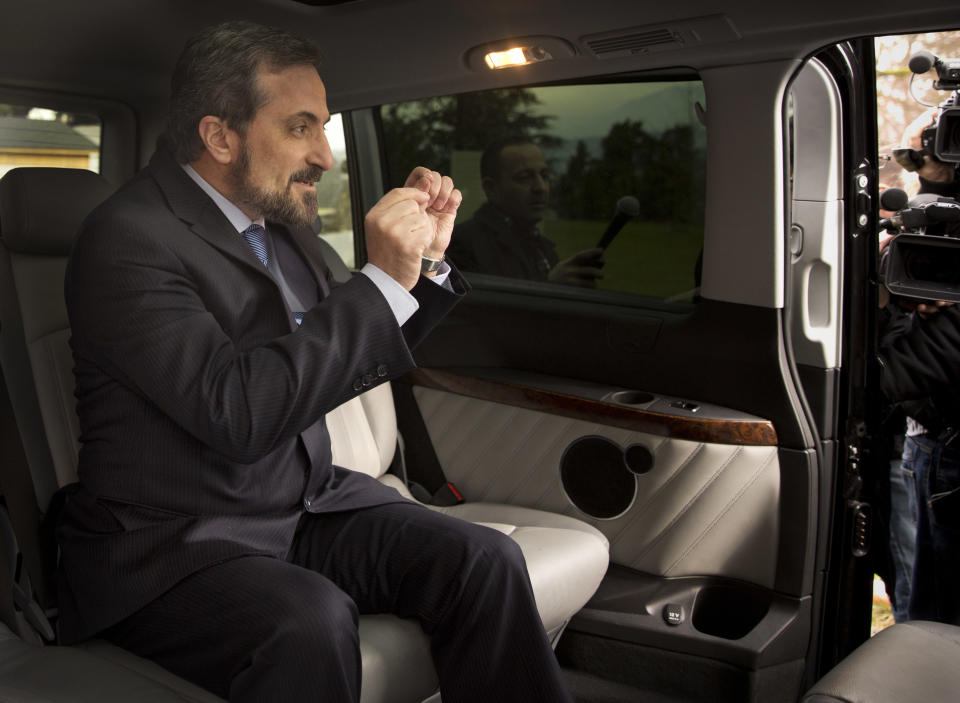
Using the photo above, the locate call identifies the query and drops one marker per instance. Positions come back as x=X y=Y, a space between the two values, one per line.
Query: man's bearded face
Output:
x=280 y=202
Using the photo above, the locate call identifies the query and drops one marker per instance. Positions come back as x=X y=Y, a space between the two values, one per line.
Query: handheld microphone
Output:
x=628 y=207
x=921 y=62
x=893 y=199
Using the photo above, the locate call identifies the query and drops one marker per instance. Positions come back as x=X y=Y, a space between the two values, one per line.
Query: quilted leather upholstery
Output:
x=566 y=558
x=911 y=661
x=703 y=509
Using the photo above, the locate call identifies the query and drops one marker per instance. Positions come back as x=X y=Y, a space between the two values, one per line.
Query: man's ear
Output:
x=221 y=142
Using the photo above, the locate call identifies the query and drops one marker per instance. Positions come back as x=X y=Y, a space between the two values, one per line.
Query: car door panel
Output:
x=720 y=525
x=726 y=354
x=700 y=508
x=701 y=532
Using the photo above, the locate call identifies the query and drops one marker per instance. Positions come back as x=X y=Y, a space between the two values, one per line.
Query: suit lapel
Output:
x=305 y=239
x=189 y=203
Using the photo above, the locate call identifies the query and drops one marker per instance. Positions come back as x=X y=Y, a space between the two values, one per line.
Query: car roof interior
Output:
x=380 y=51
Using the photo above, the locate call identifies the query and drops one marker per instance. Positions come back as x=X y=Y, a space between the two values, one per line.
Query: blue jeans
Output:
x=903 y=530
x=935 y=588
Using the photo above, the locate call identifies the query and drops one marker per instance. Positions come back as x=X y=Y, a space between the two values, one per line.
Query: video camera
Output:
x=942 y=140
x=923 y=260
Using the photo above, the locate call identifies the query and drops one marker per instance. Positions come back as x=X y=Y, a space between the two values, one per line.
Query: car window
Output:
x=39 y=136
x=547 y=172
x=334 y=212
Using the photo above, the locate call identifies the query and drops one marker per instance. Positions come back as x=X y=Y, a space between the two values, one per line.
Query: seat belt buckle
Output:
x=446 y=496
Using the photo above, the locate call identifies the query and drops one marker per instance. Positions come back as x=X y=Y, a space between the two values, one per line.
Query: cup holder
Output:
x=730 y=611
x=631 y=398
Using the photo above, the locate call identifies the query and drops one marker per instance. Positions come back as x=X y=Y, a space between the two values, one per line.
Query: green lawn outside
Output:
x=653 y=259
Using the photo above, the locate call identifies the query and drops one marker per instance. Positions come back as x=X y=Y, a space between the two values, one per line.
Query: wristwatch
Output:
x=428 y=265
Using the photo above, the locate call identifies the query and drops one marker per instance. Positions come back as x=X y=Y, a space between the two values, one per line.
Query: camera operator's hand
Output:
x=932 y=169
x=925 y=310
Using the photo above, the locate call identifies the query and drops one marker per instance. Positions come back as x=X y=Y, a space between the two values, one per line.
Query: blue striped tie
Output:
x=254 y=236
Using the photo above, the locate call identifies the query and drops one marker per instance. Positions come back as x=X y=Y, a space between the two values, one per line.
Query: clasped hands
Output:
x=411 y=222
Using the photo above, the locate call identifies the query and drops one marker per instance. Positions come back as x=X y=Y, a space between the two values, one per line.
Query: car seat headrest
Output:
x=41 y=208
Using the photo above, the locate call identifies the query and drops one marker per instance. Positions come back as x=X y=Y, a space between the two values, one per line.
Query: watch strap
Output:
x=428 y=265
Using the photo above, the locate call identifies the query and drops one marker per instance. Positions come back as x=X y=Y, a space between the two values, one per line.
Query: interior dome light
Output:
x=516 y=56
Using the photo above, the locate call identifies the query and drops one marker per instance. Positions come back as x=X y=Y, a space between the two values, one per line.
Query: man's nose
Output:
x=320 y=154
x=541 y=184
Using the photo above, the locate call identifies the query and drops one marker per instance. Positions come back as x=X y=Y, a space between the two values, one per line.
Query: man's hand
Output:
x=441 y=208
x=582 y=269
x=931 y=308
x=411 y=222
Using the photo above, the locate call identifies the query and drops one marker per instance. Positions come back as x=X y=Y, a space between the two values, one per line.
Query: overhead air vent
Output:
x=656 y=38
x=636 y=43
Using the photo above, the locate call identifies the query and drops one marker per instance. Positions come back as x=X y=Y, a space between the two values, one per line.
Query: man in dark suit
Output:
x=210 y=530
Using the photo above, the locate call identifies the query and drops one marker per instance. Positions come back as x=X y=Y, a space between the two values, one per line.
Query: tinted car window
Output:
x=560 y=162
x=38 y=136
x=334 y=213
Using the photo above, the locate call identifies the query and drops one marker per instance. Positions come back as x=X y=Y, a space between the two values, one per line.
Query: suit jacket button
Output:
x=382 y=370
x=358 y=385
x=368 y=379
x=307 y=503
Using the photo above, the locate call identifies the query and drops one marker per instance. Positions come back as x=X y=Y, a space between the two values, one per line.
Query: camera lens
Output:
x=933 y=267
x=923 y=266
x=948 y=135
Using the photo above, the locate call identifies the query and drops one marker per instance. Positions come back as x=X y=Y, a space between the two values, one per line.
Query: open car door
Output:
x=690 y=405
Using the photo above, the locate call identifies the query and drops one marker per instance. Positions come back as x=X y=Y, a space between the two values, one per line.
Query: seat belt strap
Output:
x=22 y=506
x=21 y=612
x=424 y=475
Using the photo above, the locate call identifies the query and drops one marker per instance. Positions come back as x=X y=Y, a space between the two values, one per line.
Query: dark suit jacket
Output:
x=201 y=403
x=920 y=365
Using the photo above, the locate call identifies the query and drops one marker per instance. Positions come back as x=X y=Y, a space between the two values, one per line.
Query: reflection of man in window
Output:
x=503 y=237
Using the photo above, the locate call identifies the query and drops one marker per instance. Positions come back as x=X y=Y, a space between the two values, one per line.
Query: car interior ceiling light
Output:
x=516 y=56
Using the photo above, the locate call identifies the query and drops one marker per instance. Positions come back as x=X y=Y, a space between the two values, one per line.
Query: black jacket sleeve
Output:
x=921 y=357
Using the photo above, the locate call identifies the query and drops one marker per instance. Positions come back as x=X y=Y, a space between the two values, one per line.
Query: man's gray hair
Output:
x=217 y=75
